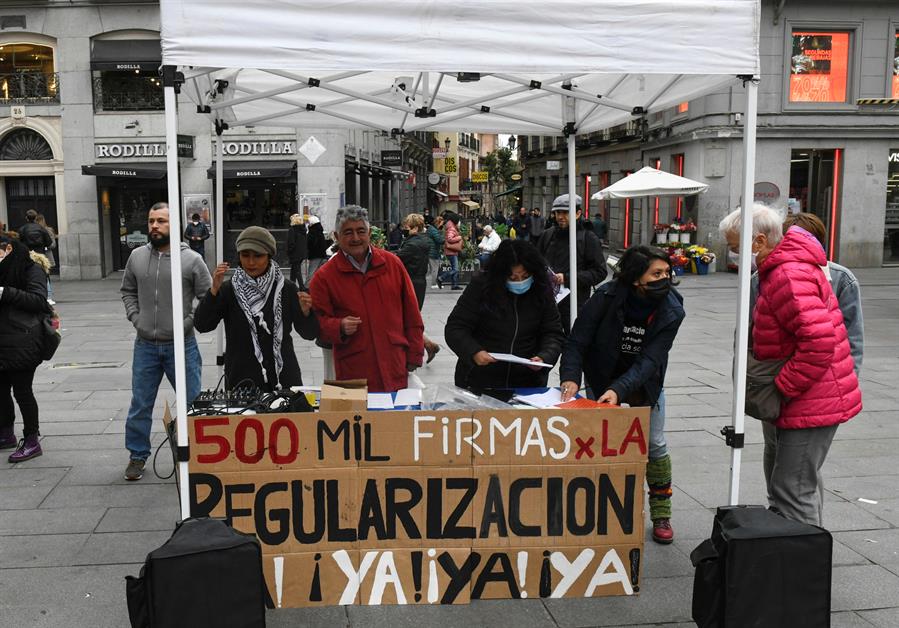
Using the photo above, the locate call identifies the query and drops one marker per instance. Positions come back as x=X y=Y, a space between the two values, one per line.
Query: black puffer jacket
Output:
x=23 y=307
x=525 y=325
x=297 y=243
x=414 y=254
x=317 y=242
x=591 y=264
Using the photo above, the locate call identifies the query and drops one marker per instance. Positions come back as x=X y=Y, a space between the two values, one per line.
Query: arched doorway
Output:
x=28 y=192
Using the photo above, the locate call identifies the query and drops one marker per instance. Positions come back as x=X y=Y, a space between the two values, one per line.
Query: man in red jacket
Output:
x=367 y=309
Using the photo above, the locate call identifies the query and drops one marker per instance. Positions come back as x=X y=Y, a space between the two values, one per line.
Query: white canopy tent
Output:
x=526 y=67
x=651 y=182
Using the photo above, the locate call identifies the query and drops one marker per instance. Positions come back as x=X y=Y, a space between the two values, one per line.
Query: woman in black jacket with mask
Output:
x=507 y=309
x=620 y=342
x=23 y=307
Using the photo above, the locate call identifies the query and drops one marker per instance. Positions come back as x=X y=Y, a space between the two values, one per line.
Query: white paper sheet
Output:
x=563 y=292
x=380 y=401
x=548 y=399
x=407 y=397
x=514 y=359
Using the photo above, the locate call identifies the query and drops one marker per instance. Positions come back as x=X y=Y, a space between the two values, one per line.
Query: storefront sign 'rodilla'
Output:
x=430 y=507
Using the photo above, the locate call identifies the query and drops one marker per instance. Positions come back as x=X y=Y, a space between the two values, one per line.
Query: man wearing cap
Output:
x=259 y=308
x=367 y=309
x=591 y=264
x=147 y=295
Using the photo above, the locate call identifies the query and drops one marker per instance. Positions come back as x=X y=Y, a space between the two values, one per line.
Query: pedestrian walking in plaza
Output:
x=23 y=308
x=435 y=242
x=318 y=246
x=522 y=224
x=600 y=228
x=147 y=295
x=259 y=308
x=591 y=264
x=414 y=253
x=196 y=233
x=508 y=308
x=620 y=344
x=51 y=255
x=488 y=244
x=537 y=224
x=452 y=246
x=797 y=321
x=367 y=309
x=297 y=249
x=39 y=240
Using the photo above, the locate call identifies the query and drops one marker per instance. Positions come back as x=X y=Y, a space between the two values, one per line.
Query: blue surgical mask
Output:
x=520 y=287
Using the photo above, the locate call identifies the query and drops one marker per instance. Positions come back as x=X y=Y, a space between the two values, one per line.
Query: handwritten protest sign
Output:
x=429 y=507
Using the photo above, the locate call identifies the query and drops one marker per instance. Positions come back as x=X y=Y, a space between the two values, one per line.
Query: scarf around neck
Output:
x=252 y=295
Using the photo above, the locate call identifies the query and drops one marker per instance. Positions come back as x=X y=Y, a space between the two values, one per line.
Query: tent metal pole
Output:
x=743 y=313
x=220 y=237
x=572 y=229
x=171 y=157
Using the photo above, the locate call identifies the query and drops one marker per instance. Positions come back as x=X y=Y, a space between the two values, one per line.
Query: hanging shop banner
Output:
x=819 y=66
x=479 y=176
x=430 y=507
x=392 y=158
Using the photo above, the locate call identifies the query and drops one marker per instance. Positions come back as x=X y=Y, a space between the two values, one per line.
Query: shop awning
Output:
x=509 y=191
x=255 y=169
x=127 y=171
x=439 y=193
x=471 y=204
x=126 y=54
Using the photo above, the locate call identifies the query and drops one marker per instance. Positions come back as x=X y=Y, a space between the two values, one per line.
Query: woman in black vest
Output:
x=23 y=306
x=620 y=343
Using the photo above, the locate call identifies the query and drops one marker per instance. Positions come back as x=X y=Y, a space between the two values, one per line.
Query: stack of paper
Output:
x=548 y=399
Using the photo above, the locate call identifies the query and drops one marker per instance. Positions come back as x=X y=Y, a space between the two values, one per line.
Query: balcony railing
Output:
x=127 y=96
x=29 y=88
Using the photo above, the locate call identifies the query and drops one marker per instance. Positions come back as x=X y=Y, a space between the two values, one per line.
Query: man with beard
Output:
x=147 y=295
x=591 y=265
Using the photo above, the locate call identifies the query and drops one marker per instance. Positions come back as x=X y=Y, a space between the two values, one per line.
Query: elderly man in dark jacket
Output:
x=591 y=264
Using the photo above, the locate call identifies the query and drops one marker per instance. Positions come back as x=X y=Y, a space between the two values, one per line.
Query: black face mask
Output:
x=657 y=290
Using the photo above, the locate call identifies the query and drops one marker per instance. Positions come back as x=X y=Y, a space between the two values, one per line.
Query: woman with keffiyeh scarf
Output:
x=259 y=308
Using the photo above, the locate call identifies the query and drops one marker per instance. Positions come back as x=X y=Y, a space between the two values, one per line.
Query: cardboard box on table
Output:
x=423 y=507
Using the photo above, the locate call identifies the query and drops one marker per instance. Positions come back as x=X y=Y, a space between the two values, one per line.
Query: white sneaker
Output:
x=51 y=301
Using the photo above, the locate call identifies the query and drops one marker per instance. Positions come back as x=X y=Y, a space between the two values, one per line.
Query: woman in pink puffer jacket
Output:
x=797 y=318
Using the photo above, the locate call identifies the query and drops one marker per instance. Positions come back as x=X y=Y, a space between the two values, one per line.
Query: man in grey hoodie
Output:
x=147 y=295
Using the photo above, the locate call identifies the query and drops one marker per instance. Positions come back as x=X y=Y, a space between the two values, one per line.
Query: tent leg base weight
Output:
x=731 y=438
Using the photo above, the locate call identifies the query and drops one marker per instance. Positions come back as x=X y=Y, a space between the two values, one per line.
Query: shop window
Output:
x=815 y=188
x=605 y=178
x=684 y=107
x=26 y=74
x=127 y=90
x=895 y=84
x=819 y=67
x=891 y=217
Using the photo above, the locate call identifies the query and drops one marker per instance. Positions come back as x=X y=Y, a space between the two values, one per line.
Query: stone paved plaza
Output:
x=71 y=528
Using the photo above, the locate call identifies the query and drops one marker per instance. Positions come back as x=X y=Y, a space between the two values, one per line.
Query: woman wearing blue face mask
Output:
x=508 y=308
x=620 y=343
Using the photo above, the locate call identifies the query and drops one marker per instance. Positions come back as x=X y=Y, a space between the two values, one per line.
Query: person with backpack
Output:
x=452 y=246
x=34 y=236
x=591 y=264
x=435 y=241
x=620 y=344
x=23 y=307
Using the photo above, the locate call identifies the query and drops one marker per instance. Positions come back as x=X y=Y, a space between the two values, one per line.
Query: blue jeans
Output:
x=150 y=362
x=658 y=447
x=483 y=258
x=452 y=273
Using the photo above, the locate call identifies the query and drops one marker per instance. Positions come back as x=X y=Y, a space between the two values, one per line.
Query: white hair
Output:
x=766 y=220
x=350 y=213
x=488 y=228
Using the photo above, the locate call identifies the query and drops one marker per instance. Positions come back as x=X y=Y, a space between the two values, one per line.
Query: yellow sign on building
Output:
x=479 y=176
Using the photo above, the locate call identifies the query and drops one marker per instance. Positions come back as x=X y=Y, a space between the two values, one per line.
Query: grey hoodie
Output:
x=147 y=291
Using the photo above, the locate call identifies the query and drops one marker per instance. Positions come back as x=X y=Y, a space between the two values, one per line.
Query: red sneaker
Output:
x=662 y=531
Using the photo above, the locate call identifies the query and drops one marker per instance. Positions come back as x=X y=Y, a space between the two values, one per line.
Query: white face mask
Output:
x=754 y=265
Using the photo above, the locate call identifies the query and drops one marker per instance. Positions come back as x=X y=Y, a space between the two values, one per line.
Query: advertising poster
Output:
x=313 y=205
x=819 y=67
x=895 y=91
x=198 y=204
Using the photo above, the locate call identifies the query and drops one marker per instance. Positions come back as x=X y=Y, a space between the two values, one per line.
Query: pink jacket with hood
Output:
x=797 y=317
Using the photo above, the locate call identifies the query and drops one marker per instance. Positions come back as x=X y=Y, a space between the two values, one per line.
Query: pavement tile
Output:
x=331 y=616
x=136 y=494
x=841 y=516
x=81 y=613
x=879 y=546
x=49 y=550
x=478 y=614
x=15 y=475
x=120 y=547
x=48 y=521
x=73 y=428
x=883 y=618
x=23 y=497
x=87 y=442
x=140 y=519
x=863 y=587
x=660 y=600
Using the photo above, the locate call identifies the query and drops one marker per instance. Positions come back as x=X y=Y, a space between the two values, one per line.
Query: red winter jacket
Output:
x=391 y=334
x=797 y=317
x=452 y=241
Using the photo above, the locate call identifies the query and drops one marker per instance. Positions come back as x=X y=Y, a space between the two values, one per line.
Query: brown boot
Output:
x=431 y=348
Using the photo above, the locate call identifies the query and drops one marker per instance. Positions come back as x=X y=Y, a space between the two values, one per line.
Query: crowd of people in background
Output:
x=362 y=304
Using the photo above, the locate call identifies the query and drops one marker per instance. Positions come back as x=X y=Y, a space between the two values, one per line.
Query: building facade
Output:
x=82 y=140
x=828 y=138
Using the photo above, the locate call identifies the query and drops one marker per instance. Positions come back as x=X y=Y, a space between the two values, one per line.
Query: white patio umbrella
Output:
x=651 y=182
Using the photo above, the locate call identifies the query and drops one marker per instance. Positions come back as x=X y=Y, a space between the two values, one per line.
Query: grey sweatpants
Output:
x=792 y=463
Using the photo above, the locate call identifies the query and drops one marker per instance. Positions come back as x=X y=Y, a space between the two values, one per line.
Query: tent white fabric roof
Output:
x=651 y=182
x=617 y=55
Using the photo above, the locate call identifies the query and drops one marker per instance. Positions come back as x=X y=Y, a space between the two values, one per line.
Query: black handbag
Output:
x=50 y=337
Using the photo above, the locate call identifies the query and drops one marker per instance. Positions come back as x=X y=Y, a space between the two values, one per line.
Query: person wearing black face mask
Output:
x=620 y=344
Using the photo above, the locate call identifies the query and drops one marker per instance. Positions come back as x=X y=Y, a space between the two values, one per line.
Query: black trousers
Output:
x=296 y=274
x=18 y=383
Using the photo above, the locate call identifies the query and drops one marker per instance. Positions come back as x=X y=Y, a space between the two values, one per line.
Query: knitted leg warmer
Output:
x=658 y=477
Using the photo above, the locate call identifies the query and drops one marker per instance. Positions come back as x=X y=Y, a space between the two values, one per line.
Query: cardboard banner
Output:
x=430 y=507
